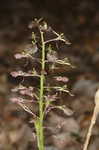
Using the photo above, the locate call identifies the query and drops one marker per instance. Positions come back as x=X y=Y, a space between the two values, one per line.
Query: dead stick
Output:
x=93 y=120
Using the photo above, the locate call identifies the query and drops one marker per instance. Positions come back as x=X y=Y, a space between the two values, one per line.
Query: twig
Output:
x=93 y=120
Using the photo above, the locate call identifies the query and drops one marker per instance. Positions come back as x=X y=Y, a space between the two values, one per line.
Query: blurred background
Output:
x=79 y=21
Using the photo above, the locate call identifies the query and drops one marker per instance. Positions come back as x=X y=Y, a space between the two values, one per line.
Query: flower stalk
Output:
x=41 y=99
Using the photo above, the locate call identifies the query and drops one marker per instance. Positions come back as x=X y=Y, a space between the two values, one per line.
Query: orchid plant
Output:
x=44 y=53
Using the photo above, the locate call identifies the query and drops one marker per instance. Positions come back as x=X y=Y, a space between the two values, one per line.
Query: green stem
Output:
x=41 y=102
